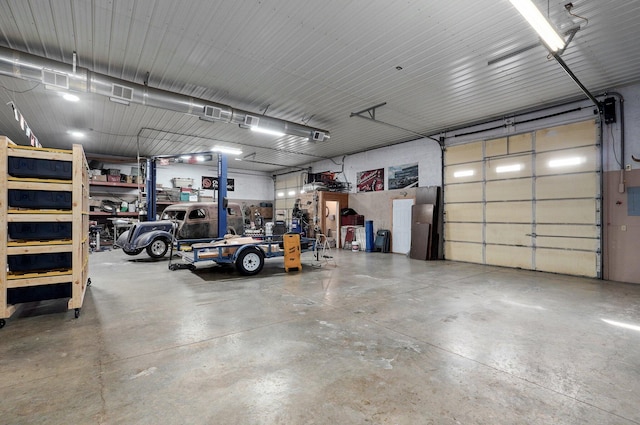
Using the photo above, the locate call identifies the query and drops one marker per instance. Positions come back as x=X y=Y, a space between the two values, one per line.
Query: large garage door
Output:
x=529 y=201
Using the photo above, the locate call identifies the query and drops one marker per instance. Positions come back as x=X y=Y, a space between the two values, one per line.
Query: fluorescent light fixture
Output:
x=200 y=158
x=622 y=325
x=224 y=149
x=280 y=194
x=566 y=162
x=463 y=173
x=544 y=29
x=185 y=157
x=266 y=131
x=70 y=97
x=292 y=193
x=76 y=134
x=509 y=168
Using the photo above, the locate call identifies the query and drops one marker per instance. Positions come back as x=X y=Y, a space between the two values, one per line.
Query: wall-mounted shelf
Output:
x=116 y=184
x=108 y=214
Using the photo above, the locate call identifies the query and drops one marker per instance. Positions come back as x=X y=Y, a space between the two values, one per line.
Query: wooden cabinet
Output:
x=44 y=248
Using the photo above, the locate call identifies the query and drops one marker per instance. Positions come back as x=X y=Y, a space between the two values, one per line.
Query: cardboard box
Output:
x=99 y=178
x=113 y=179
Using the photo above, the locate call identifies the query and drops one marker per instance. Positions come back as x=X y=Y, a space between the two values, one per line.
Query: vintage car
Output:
x=186 y=221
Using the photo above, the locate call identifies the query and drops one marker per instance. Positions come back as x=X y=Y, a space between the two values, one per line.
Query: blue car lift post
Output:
x=222 y=205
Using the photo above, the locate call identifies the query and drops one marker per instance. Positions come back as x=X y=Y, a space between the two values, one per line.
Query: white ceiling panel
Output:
x=311 y=63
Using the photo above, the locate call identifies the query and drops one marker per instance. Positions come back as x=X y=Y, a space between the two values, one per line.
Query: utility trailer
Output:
x=246 y=253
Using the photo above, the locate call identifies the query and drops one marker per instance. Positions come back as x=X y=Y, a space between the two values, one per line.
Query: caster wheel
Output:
x=2 y=323
x=76 y=313
x=173 y=267
x=192 y=267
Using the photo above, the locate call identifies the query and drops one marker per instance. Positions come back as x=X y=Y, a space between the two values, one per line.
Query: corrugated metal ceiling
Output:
x=308 y=62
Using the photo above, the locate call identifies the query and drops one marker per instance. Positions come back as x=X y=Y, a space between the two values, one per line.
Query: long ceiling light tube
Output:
x=540 y=24
x=30 y=67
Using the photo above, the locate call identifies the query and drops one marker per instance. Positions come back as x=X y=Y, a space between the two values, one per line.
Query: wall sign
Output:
x=370 y=181
x=211 y=183
x=403 y=176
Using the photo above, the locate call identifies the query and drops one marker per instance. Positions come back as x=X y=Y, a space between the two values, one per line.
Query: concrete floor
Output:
x=379 y=339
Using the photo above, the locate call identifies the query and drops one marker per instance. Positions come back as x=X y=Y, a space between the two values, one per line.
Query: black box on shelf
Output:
x=39 y=231
x=112 y=172
x=38 y=293
x=39 y=262
x=39 y=168
x=39 y=199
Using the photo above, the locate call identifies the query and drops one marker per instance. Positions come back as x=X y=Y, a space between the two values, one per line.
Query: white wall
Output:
x=631 y=95
x=248 y=184
x=425 y=152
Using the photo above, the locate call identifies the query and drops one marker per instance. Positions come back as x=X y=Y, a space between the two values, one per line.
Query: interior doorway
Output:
x=332 y=220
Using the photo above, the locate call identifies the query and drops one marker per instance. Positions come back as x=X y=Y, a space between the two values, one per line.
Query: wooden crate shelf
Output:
x=77 y=216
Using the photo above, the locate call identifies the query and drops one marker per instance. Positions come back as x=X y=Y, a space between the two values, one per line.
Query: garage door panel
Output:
x=508 y=234
x=508 y=190
x=471 y=172
x=577 y=231
x=460 y=251
x=467 y=192
x=566 y=136
x=509 y=256
x=496 y=147
x=464 y=232
x=569 y=161
x=584 y=244
x=463 y=212
x=464 y=153
x=509 y=212
x=520 y=143
x=566 y=262
x=509 y=168
x=567 y=186
x=545 y=184
x=578 y=211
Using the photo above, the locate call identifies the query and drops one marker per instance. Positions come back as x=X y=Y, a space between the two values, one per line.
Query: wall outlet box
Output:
x=627 y=167
x=623 y=227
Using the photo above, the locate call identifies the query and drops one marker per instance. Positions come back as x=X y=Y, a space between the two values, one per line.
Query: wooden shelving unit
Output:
x=72 y=282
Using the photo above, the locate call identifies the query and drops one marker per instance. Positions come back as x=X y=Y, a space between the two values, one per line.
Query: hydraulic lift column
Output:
x=222 y=195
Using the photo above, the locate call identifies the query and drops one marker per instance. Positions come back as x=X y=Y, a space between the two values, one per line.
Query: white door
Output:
x=401 y=232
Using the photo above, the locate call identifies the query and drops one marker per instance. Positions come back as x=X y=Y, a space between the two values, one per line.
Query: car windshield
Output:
x=174 y=215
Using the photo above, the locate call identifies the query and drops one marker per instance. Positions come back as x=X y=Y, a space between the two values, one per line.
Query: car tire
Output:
x=158 y=248
x=250 y=261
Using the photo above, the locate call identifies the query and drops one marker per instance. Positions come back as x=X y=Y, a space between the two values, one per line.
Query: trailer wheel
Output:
x=250 y=261
x=158 y=248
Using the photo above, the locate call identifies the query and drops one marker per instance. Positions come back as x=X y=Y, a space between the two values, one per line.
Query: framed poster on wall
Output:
x=370 y=181
x=403 y=176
